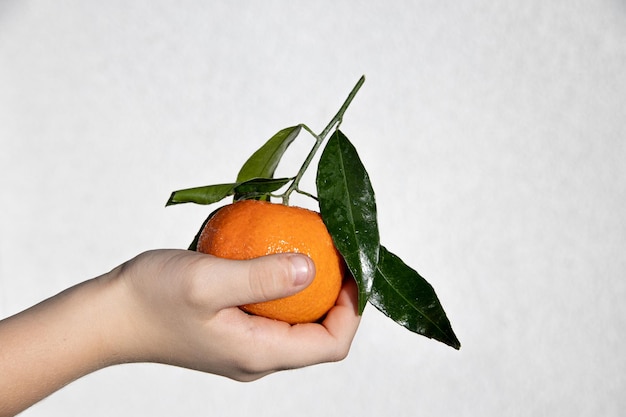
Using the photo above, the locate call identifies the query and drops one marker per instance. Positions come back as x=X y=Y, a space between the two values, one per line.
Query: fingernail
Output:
x=301 y=267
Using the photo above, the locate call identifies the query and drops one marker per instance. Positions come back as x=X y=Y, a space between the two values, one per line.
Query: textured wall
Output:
x=494 y=133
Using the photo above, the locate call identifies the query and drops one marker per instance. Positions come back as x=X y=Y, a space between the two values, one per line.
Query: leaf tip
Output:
x=171 y=201
x=456 y=344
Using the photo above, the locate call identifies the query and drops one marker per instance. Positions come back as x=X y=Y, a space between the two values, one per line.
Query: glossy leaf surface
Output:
x=202 y=195
x=406 y=297
x=348 y=208
x=257 y=186
x=263 y=162
x=213 y=193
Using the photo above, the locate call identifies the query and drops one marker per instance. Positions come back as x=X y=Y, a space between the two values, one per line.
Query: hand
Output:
x=174 y=307
x=183 y=311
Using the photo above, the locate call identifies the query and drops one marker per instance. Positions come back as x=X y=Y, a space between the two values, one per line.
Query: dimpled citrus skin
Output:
x=251 y=228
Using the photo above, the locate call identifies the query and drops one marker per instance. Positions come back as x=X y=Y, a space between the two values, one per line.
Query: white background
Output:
x=494 y=134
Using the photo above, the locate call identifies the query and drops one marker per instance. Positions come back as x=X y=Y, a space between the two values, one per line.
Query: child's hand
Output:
x=181 y=309
x=169 y=306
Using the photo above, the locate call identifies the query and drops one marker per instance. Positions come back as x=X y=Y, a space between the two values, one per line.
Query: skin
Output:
x=172 y=307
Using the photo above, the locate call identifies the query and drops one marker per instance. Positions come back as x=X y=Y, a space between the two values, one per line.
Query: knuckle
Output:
x=194 y=283
x=249 y=369
x=340 y=352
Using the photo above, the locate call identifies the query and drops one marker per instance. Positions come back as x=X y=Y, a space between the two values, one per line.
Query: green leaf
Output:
x=210 y=194
x=202 y=195
x=408 y=299
x=348 y=208
x=264 y=161
x=257 y=186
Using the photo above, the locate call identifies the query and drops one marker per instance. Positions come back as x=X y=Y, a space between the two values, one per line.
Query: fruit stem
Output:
x=319 y=139
x=339 y=116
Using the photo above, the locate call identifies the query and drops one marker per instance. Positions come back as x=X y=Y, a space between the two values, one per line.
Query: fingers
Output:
x=195 y=301
x=235 y=283
x=340 y=326
x=345 y=314
x=280 y=346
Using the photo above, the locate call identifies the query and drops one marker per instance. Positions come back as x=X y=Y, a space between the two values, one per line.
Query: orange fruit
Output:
x=250 y=228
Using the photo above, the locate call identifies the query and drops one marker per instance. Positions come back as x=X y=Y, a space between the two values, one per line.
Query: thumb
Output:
x=266 y=278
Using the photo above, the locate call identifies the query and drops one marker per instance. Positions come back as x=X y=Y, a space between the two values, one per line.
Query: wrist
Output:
x=117 y=338
x=59 y=340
